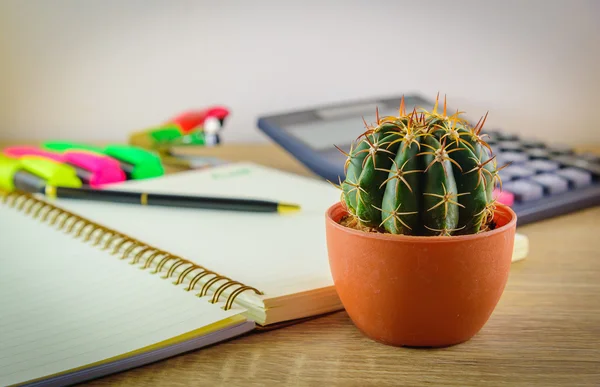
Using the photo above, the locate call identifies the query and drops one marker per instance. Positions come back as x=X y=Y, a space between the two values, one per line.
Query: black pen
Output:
x=169 y=200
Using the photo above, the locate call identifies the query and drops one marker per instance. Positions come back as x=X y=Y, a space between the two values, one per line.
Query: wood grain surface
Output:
x=545 y=331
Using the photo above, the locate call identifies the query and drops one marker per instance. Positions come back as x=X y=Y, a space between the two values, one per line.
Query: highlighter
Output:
x=137 y=163
x=93 y=169
x=34 y=173
x=145 y=164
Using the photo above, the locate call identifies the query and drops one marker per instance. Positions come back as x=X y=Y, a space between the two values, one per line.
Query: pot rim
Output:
x=500 y=208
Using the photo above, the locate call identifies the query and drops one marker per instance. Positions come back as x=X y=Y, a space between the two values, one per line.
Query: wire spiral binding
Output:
x=132 y=249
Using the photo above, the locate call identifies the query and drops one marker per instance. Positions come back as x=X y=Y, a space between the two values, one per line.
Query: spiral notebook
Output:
x=70 y=312
x=221 y=272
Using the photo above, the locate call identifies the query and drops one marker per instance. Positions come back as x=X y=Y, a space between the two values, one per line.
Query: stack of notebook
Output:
x=93 y=288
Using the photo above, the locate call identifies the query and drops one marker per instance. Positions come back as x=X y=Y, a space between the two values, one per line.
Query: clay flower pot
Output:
x=423 y=291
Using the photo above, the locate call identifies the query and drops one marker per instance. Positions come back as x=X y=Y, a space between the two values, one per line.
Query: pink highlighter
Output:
x=93 y=169
x=504 y=197
x=101 y=169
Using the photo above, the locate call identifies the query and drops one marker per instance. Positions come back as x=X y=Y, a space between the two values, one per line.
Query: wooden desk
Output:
x=545 y=330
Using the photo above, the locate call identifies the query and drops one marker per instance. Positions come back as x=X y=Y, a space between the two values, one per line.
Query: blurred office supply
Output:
x=192 y=120
x=193 y=128
x=200 y=127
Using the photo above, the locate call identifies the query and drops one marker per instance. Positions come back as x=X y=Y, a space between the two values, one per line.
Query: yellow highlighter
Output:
x=34 y=174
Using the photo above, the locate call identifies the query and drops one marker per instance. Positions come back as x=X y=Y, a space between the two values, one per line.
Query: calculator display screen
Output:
x=321 y=135
x=342 y=124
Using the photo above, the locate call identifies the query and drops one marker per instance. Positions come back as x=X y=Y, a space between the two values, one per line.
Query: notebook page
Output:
x=278 y=254
x=65 y=304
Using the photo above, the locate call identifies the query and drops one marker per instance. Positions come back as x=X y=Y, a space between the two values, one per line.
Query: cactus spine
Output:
x=421 y=173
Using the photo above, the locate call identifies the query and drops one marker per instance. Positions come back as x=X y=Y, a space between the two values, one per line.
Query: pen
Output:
x=169 y=200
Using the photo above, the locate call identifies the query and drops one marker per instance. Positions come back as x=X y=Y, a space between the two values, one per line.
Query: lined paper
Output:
x=278 y=254
x=65 y=304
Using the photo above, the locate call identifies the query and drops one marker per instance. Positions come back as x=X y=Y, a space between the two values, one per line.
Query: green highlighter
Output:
x=137 y=163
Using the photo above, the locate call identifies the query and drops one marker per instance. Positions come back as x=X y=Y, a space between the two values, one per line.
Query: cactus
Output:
x=420 y=173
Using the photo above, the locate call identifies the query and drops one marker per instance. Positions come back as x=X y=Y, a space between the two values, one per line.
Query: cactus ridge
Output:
x=421 y=173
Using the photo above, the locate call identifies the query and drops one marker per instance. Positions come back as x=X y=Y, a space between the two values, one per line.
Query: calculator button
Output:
x=512 y=157
x=519 y=172
x=532 y=144
x=524 y=190
x=506 y=175
x=560 y=150
x=590 y=157
x=537 y=153
x=509 y=145
x=569 y=161
x=503 y=136
x=573 y=161
x=577 y=178
x=552 y=184
x=541 y=165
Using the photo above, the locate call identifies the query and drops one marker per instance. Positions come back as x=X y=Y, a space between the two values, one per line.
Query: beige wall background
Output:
x=97 y=70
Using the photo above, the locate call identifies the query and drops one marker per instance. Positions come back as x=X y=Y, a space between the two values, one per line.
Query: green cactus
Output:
x=422 y=173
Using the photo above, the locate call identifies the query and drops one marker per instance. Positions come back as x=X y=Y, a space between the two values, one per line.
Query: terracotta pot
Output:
x=418 y=290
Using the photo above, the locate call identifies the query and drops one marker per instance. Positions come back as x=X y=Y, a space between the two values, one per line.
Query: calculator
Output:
x=542 y=181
